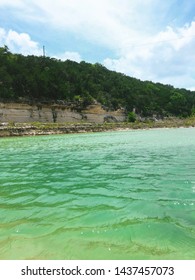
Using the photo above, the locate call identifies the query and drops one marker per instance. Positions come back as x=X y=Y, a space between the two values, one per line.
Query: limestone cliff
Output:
x=27 y=113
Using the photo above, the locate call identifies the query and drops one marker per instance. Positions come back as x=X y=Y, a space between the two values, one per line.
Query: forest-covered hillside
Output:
x=45 y=79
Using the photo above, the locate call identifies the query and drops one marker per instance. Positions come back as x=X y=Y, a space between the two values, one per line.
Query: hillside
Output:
x=33 y=79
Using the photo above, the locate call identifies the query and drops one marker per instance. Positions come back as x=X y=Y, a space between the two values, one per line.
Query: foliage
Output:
x=193 y=111
x=131 y=117
x=46 y=80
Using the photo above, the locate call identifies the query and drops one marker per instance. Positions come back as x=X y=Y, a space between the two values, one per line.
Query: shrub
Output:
x=131 y=117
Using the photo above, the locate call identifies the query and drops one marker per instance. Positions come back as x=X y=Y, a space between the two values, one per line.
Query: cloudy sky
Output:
x=147 y=39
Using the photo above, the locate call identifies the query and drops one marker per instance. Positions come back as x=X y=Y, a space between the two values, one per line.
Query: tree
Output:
x=44 y=78
x=131 y=117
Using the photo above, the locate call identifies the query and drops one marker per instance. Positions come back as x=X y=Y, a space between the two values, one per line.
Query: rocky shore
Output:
x=32 y=129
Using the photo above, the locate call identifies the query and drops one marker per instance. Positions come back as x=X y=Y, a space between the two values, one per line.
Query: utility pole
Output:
x=44 y=51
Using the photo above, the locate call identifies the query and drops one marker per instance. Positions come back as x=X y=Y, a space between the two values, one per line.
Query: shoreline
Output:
x=35 y=129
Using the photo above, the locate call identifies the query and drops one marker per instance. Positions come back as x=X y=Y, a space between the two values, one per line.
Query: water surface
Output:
x=112 y=195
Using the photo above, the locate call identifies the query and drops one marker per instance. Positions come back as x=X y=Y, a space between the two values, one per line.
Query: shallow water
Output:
x=112 y=195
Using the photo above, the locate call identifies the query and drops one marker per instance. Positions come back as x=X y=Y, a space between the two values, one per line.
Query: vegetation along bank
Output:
x=43 y=93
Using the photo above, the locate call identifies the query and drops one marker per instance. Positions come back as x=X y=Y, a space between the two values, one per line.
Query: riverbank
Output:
x=31 y=129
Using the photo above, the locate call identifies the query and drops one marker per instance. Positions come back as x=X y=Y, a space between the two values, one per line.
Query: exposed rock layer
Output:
x=25 y=113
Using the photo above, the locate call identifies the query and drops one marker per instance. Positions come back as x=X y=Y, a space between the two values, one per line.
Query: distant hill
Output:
x=44 y=79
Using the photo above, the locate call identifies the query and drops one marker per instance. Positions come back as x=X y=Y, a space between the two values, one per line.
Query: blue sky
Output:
x=147 y=39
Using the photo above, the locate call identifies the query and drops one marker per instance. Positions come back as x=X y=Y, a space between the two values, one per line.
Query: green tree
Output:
x=131 y=117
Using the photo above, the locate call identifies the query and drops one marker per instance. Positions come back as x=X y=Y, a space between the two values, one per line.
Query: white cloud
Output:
x=13 y=3
x=110 y=23
x=19 y=42
x=74 y=56
x=102 y=21
x=2 y=36
x=192 y=88
x=93 y=20
x=167 y=57
x=142 y=34
x=178 y=38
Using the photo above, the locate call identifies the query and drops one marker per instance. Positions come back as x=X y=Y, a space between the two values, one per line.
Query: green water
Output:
x=113 y=195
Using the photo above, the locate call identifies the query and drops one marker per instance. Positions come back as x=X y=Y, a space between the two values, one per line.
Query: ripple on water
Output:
x=116 y=195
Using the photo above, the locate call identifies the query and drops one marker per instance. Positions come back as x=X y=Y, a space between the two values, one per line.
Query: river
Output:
x=110 y=195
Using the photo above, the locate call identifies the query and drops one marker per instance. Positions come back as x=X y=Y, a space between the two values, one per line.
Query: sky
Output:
x=150 y=40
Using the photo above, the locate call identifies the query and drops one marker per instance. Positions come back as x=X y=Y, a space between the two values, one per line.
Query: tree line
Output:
x=46 y=79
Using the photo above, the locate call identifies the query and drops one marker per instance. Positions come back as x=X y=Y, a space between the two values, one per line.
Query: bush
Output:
x=131 y=117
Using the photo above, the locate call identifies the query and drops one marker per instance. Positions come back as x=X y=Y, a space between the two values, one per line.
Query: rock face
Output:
x=25 y=113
